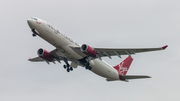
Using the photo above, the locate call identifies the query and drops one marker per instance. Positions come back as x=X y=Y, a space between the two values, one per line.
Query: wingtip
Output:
x=164 y=47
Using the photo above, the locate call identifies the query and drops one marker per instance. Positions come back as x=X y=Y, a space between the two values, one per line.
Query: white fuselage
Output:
x=62 y=42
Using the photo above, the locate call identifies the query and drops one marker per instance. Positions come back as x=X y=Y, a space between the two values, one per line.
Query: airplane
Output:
x=83 y=55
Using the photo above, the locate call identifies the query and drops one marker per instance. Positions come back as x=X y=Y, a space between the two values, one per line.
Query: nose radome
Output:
x=30 y=23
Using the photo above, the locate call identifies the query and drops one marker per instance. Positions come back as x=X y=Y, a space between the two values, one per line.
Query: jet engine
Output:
x=86 y=49
x=45 y=55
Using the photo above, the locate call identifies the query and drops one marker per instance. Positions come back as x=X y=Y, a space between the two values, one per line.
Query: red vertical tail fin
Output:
x=123 y=67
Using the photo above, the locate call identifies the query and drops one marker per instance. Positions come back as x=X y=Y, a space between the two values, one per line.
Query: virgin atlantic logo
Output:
x=122 y=69
x=38 y=22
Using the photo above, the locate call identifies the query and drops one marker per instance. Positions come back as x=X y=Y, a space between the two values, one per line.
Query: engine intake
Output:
x=45 y=55
x=86 y=49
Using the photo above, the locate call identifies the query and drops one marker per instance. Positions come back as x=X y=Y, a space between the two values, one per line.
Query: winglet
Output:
x=164 y=47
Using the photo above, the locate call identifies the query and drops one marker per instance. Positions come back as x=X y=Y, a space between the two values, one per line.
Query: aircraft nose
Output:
x=30 y=23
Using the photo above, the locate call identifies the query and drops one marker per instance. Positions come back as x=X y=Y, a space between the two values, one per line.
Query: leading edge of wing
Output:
x=164 y=47
x=133 y=49
x=118 y=51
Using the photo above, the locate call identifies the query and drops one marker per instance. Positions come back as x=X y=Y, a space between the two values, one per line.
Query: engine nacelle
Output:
x=86 y=49
x=45 y=55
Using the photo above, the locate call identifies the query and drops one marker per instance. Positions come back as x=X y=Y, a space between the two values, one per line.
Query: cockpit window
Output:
x=34 y=18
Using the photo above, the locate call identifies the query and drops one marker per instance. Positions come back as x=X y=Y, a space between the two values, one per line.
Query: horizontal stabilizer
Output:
x=116 y=80
x=110 y=80
x=134 y=77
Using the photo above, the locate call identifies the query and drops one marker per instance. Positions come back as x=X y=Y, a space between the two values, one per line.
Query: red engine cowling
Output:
x=45 y=55
x=86 y=49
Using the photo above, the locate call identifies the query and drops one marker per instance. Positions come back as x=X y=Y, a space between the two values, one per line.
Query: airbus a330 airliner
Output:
x=83 y=55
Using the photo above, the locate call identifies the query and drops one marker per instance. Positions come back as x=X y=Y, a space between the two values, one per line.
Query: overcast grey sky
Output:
x=98 y=23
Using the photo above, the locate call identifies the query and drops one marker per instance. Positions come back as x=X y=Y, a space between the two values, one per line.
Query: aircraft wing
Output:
x=56 y=54
x=103 y=52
